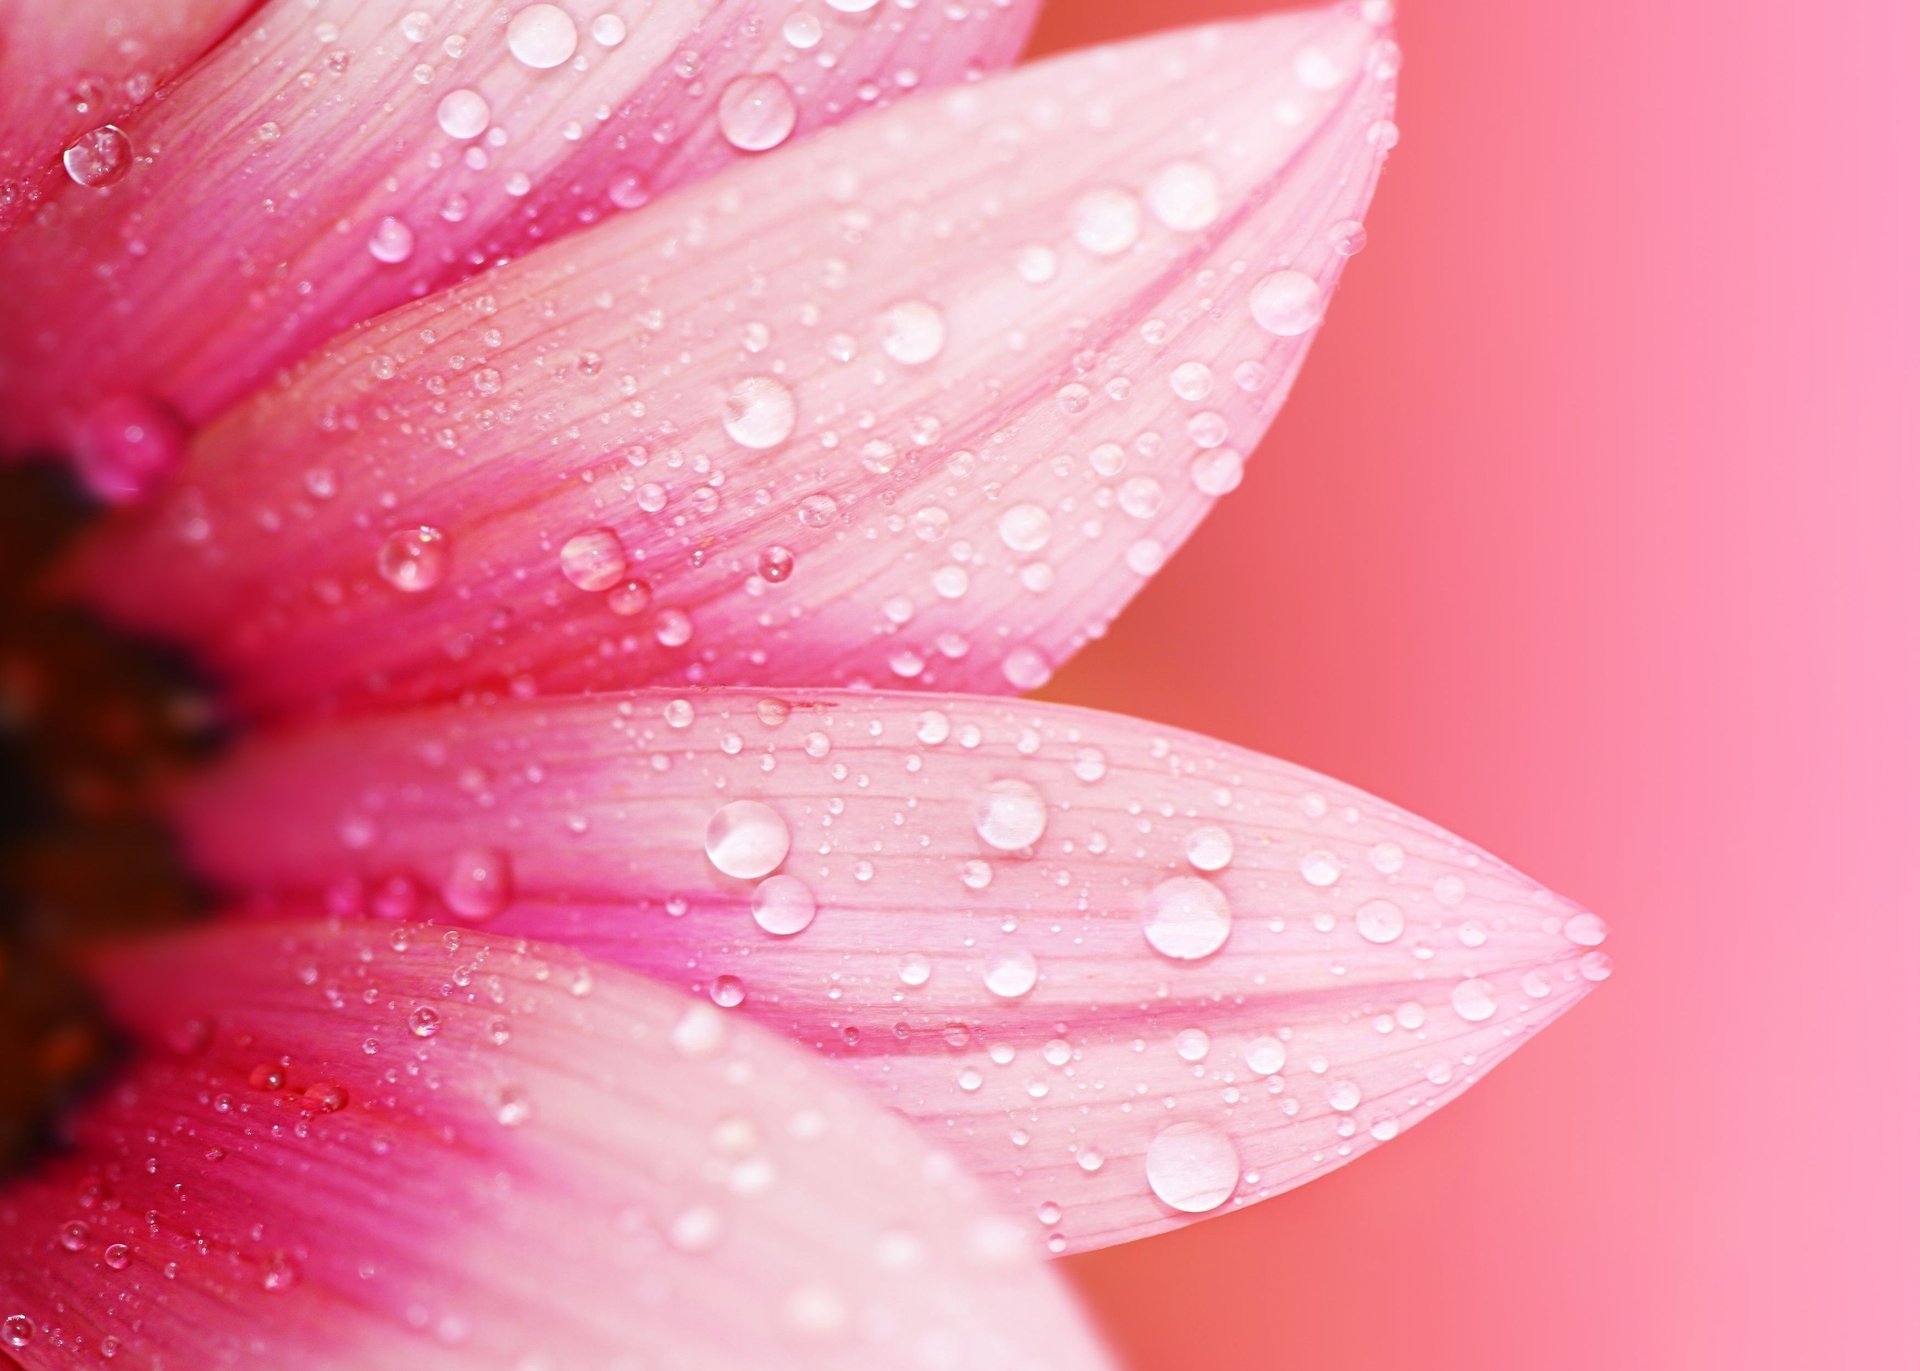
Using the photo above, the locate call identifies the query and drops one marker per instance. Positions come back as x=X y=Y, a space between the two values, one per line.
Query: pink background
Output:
x=1583 y=535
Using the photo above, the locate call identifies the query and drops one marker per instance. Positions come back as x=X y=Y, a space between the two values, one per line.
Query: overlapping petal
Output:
x=389 y=1146
x=336 y=157
x=921 y=400
x=68 y=67
x=1129 y=974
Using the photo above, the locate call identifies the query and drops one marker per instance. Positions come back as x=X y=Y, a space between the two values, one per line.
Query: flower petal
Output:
x=336 y=157
x=68 y=67
x=362 y=1147
x=923 y=399
x=1065 y=941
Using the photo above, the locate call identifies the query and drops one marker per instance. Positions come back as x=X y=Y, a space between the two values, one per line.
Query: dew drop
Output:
x=1184 y=196
x=1343 y=1097
x=1286 y=304
x=1265 y=1056
x=1320 y=868
x=759 y=412
x=747 y=839
x=1187 y=918
x=1192 y=1167
x=464 y=114
x=776 y=564
x=424 y=1021
x=1348 y=237
x=413 y=559
x=1010 y=815
x=913 y=332
x=391 y=242
x=479 y=883
x=17 y=1330
x=728 y=992
x=1026 y=528
x=1586 y=930
x=542 y=36
x=1011 y=974
x=782 y=905
x=1106 y=222
x=99 y=157
x=118 y=1256
x=593 y=559
x=1209 y=848
x=756 y=112
x=1473 y=1000
x=127 y=446
x=1379 y=921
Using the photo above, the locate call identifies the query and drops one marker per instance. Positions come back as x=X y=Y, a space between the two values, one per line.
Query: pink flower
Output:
x=611 y=858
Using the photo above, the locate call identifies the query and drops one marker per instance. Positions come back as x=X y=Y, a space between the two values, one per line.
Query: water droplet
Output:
x=392 y=242
x=542 y=36
x=479 y=884
x=512 y=1107
x=1319 y=868
x=414 y=559
x=759 y=412
x=1286 y=303
x=1010 y=815
x=464 y=113
x=277 y=1273
x=783 y=905
x=1265 y=1056
x=1379 y=921
x=424 y=1021
x=1184 y=196
x=1106 y=222
x=99 y=157
x=756 y=112
x=1011 y=974
x=852 y=6
x=127 y=446
x=747 y=839
x=1192 y=1044
x=1315 y=69
x=1209 y=848
x=1343 y=1097
x=728 y=992
x=776 y=564
x=118 y=1256
x=1187 y=918
x=913 y=332
x=17 y=1329
x=1217 y=472
x=1026 y=528
x=1192 y=1167
x=1586 y=930
x=593 y=559
x=1348 y=237
x=609 y=30
x=1473 y=1000
x=323 y=1097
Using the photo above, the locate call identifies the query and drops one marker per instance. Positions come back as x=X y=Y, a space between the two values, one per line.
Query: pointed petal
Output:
x=336 y=157
x=68 y=67
x=892 y=405
x=378 y=1147
x=1062 y=940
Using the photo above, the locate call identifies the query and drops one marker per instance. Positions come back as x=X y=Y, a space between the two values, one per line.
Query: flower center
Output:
x=91 y=725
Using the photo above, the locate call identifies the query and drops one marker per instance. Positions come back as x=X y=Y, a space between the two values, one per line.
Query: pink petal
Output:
x=592 y=442
x=393 y=1147
x=1064 y=941
x=333 y=159
x=70 y=67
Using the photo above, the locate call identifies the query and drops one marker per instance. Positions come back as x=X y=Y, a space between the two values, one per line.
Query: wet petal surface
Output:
x=1130 y=974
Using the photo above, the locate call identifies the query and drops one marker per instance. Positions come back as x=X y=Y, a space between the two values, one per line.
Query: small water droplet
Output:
x=1473 y=1000
x=479 y=883
x=1209 y=848
x=1379 y=921
x=1106 y=222
x=463 y=113
x=1286 y=304
x=1011 y=974
x=391 y=242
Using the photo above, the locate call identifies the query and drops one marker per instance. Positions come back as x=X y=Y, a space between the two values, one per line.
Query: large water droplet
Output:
x=1192 y=1167
x=542 y=36
x=747 y=839
x=127 y=446
x=1473 y=1000
x=783 y=905
x=756 y=112
x=1379 y=921
x=593 y=559
x=913 y=332
x=99 y=157
x=1011 y=974
x=1187 y=918
x=1010 y=815
x=1026 y=528
x=479 y=883
x=1184 y=196
x=464 y=113
x=1286 y=303
x=413 y=559
x=759 y=412
x=1106 y=222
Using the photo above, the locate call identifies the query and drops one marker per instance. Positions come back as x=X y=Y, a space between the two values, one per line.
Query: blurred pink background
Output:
x=1589 y=532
